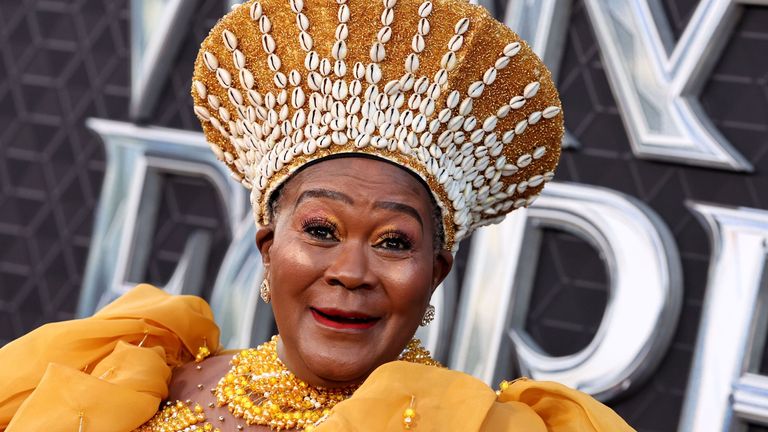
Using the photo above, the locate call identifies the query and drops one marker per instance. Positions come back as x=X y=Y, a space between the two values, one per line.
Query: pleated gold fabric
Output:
x=110 y=373
x=446 y=400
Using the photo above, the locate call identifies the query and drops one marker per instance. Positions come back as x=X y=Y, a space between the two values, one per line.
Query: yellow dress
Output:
x=110 y=372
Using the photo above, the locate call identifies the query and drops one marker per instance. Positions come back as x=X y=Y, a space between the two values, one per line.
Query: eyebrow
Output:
x=338 y=196
x=323 y=193
x=399 y=207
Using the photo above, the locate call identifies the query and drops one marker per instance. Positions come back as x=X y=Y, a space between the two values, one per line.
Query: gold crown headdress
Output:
x=438 y=87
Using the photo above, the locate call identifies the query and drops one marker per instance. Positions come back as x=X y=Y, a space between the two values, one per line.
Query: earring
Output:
x=265 y=292
x=429 y=315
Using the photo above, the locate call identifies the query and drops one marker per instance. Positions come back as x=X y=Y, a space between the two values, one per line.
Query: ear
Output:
x=265 y=237
x=441 y=267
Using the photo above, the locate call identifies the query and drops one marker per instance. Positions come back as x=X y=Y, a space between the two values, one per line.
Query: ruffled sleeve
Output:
x=446 y=400
x=108 y=372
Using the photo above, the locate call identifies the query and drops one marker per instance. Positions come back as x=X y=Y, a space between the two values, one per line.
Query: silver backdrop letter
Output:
x=644 y=300
x=136 y=158
x=657 y=86
x=155 y=40
x=724 y=386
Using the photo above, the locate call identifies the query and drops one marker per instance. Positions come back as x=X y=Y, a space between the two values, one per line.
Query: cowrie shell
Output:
x=425 y=9
x=302 y=22
x=238 y=58
x=476 y=89
x=211 y=62
x=531 y=89
x=339 y=50
x=235 y=96
x=202 y=113
x=453 y=99
x=441 y=77
x=534 y=117
x=305 y=41
x=502 y=63
x=325 y=66
x=387 y=16
x=200 y=89
x=512 y=49
x=490 y=123
x=342 y=32
x=378 y=52
x=539 y=152
x=523 y=161
x=256 y=11
x=265 y=25
x=224 y=77
x=298 y=97
x=311 y=61
x=520 y=127
x=297 y=6
x=343 y=14
x=517 y=102
x=230 y=40
x=466 y=106
x=280 y=80
x=268 y=43
x=448 y=62
x=214 y=101
x=490 y=76
x=418 y=44
x=224 y=114
x=384 y=35
x=424 y=27
x=455 y=43
x=294 y=77
x=359 y=71
x=551 y=112
x=274 y=62
x=462 y=26
x=373 y=73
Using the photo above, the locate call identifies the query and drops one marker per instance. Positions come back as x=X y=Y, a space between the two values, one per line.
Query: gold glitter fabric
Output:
x=438 y=87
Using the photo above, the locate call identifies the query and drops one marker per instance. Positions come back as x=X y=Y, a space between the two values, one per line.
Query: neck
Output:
x=299 y=368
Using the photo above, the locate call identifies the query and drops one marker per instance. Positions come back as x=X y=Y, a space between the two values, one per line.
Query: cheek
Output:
x=292 y=269
x=408 y=285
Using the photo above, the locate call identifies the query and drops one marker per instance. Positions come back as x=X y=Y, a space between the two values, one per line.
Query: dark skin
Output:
x=350 y=234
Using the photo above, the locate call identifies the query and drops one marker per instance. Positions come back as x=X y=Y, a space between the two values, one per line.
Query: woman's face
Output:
x=351 y=265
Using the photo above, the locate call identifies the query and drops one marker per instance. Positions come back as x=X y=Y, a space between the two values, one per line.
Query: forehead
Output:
x=364 y=179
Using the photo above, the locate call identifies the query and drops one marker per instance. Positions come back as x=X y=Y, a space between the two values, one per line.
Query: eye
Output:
x=395 y=240
x=320 y=229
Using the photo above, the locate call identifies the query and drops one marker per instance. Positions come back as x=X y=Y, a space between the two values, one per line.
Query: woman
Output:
x=374 y=137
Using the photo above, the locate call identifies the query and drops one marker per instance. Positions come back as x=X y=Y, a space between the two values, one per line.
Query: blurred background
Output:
x=63 y=62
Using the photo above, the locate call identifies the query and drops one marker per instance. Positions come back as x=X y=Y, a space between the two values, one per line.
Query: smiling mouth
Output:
x=343 y=320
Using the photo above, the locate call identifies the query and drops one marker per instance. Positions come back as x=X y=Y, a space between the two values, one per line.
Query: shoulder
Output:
x=444 y=399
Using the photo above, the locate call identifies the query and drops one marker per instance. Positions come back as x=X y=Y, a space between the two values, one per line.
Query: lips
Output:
x=345 y=320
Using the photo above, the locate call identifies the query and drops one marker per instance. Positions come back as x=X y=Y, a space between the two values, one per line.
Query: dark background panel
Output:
x=62 y=61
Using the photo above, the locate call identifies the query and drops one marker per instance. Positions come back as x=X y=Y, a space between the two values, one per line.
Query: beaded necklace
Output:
x=261 y=390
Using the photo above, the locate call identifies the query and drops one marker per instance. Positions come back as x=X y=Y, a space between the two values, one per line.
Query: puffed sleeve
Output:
x=445 y=400
x=108 y=372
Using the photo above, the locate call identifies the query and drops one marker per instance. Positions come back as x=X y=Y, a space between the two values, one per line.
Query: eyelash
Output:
x=310 y=226
x=404 y=239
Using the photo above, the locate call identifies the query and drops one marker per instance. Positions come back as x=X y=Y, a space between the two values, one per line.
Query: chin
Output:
x=339 y=365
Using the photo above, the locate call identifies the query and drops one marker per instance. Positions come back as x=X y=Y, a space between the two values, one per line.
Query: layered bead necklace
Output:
x=262 y=391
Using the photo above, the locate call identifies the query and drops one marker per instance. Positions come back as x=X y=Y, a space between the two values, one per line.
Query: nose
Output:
x=350 y=267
